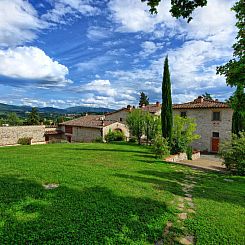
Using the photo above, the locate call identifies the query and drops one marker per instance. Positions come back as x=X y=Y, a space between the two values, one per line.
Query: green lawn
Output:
x=110 y=194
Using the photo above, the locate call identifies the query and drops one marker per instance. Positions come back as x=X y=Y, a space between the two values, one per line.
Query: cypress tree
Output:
x=167 y=112
x=238 y=104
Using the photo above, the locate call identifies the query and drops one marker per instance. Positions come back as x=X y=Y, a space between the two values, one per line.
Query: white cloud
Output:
x=149 y=48
x=97 y=33
x=101 y=87
x=63 y=8
x=18 y=22
x=132 y=15
x=31 y=63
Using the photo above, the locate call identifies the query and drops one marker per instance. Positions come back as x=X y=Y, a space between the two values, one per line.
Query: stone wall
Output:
x=182 y=156
x=206 y=127
x=10 y=135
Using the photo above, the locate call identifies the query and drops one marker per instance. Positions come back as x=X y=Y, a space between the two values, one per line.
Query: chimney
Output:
x=199 y=99
x=129 y=107
x=157 y=104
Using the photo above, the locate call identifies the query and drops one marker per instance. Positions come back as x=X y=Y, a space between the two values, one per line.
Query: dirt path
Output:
x=186 y=209
x=206 y=162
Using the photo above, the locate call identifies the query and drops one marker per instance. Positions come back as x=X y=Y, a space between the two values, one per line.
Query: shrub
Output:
x=24 y=141
x=160 y=147
x=178 y=145
x=233 y=152
x=98 y=140
x=114 y=136
x=189 y=153
x=132 y=139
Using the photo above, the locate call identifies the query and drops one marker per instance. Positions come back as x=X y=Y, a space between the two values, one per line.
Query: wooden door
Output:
x=215 y=144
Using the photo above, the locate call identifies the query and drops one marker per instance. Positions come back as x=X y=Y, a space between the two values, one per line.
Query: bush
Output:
x=24 y=141
x=98 y=140
x=132 y=140
x=114 y=136
x=233 y=152
x=178 y=145
x=160 y=147
x=189 y=153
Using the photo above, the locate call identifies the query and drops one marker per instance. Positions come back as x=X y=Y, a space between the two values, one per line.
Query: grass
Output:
x=109 y=194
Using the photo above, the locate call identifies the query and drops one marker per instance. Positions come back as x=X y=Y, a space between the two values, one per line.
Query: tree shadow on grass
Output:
x=29 y=214
x=209 y=185
x=166 y=183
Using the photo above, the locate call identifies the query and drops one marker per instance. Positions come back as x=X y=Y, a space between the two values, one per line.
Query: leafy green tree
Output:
x=183 y=133
x=234 y=71
x=33 y=117
x=179 y=8
x=144 y=100
x=207 y=96
x=233 y=152
x=238 y=105
x=152 y=126
x=13 y=119
x=167 y=111
x=135 y=121
x=1 y=121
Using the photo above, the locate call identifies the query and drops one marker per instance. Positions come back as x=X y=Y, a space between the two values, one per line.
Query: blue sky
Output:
x=64 y=53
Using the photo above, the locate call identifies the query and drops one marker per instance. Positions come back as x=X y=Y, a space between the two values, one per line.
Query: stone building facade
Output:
x=213 y=119
x=89 y=128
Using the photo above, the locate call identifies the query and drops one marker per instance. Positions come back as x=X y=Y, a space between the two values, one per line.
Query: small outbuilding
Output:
x=90 y=127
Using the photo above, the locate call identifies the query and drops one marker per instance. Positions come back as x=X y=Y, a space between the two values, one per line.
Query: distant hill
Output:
x=5 y=108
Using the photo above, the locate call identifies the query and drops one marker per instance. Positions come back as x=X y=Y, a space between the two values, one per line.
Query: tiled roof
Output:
x=53 y=132
x=152 y=108
x=200 y=102
x=122 y=109
x=89 y=121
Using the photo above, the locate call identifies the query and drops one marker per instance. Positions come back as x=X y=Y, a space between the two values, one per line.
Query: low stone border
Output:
x=182 y=156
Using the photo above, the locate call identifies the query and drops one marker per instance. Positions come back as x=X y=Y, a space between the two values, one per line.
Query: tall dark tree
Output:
x=207 y=96
x=144 y=100
x=238 y=105
x=167 y=112
x=33 y=117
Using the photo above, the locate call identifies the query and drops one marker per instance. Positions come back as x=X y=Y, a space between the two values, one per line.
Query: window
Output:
x=183 y=114
x=68 y=129
x=215 y=134
x=121 y=119
x=216 y=116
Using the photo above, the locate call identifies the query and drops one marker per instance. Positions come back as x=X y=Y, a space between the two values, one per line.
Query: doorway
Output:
x=215 y=142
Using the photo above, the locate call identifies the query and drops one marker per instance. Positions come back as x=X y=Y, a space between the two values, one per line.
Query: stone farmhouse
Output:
x=213 y=118
x=86 y=129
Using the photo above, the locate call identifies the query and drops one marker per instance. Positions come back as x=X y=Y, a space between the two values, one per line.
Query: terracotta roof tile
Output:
x=90 y=121
x=200 y=102
x=53 y=132
x=152 y=108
